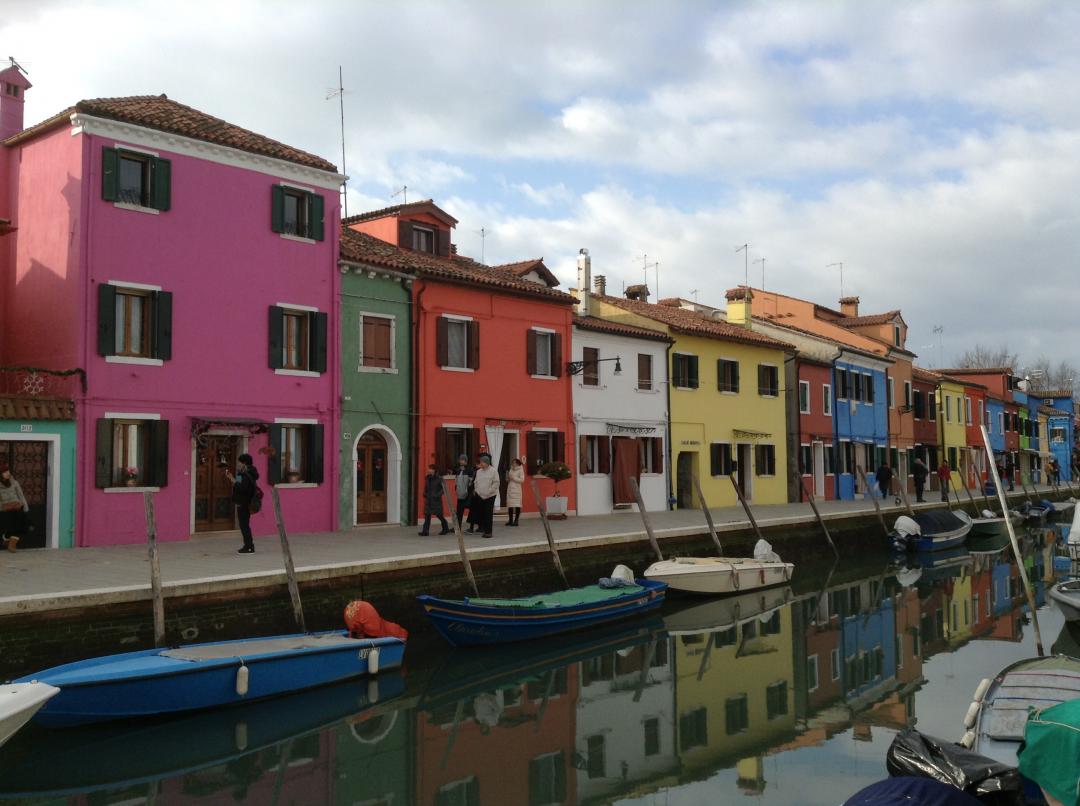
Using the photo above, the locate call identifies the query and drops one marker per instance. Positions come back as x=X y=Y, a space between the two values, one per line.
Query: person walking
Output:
x=919 y=472
x=463 y=479
x=944 y=474
x=485 y=488
x=884 y=478
x=243 y=492
x=515 y=477
x=433 y=501
x=1009 y=467
x=13 y=508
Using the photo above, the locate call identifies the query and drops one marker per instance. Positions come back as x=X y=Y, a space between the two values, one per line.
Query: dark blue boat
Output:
x=930 y=530
x=191 y=678
x=475 y=621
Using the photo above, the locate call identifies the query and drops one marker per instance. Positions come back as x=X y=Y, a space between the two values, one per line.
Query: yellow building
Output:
x=726 y=400
x=952 y=425
x=961 y=610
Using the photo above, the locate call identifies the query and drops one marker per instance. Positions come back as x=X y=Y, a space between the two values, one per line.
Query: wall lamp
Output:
x=577 y=367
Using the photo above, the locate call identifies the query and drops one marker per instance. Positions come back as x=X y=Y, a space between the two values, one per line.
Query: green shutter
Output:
x=158 y=460
x=318 y=323
x=161 y=187
x=110 y=174
x=316 y=436
x=163 y=325
x=273 y=457
x=276 y=337
x=315 y=219
x=277 y=208
x=106 y=319
x=103 y=454
x=692 y=371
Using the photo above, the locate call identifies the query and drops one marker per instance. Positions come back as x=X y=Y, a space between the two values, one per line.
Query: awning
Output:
x=747 y=433
x=36 y=408
x=640 y=429
x=200 y=425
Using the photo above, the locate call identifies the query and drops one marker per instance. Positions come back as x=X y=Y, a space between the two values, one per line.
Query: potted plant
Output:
x=130 y=476
x=293 y=476
x=555 y=504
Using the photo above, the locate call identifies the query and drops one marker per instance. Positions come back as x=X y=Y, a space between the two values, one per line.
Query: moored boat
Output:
x=1067 y=596
x=931 y=530
x=991 y=526
x=18 y=704
x=718 y=576
x=718 y=615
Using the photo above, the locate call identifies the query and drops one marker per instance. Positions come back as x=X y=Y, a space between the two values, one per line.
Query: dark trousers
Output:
x=427 y=523
x=945 y=490
x=243 y=518
x=486 y=514
x=462 y=505
x=920 y=485
x=514 y=514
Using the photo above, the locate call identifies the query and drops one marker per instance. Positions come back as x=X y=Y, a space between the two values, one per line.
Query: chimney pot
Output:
x=600 y=284
x=849 y=306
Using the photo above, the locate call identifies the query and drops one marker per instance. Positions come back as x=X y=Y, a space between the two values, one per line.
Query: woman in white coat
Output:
x=515 y=477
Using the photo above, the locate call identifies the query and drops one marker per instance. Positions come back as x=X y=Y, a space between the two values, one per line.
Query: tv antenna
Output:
x=745 y=249
x=404 y=193
x=645 y=266
x=338 y=93
x=939 y=330
x=17 y=66
x=761 y=260
x=841 y=265
x=694 y=291
x=482 y=232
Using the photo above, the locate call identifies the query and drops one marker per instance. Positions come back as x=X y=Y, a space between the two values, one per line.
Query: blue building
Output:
x=1060 y=429
x=860 y=418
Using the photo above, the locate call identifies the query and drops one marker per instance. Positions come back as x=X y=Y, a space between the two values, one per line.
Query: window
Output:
x=542 y=447
x=896 y=336
x=765 y=460
x=684 y=371
x=952 y=459
x=543 y=355
x=594 y=764
x=459 y=793
x=868 y=387
x=959 y=410
x=776 y=700
x=834 y=664
x=142 y=180
x=298 y=453
x=450 y=443
x=841 y=384
x=131 y=452
x=693 y=729
x=856 y=379
x=806 y=460
x=376 y=341
x=830 y=460
x=931 y=406
x=720 y=459
x=590 y=374
x=890 y=400
x=1057 y=433
x=652 y=454
x=134 y=322
x=457 y=343
x=907 y=395
x=547 y=779
x=812 y=673
x=594 y=454
x=652 y=736
x=297 y=339
x=644 y=372
x=768 y=380
x=727 y=375
x=826 y=400
x=736 y=714
x=296 y=212
x=967 y=409
x=804 y=397
x=948 y=408
x=423 y=239
x=918 y=404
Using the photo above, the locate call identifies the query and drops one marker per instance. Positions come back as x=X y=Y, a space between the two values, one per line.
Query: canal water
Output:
x=788 y=696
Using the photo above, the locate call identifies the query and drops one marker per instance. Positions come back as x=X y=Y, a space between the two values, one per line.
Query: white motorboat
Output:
x=18 y=704
x=719 y=576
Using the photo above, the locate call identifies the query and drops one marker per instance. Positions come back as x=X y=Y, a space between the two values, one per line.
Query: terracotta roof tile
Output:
x=359 y=247
x=422 y=206
x=161 y=113
x=1051 y=393
x=869 y=319
x=1051 y=411
x=599 y=325
x=925 y=374
x=36 y=408
x=977 y=370
x=523 y=267
x=691 y=323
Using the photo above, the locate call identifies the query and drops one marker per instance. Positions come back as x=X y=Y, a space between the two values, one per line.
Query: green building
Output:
x=376 y=390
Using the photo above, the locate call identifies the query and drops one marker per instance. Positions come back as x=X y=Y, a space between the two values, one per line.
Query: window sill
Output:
x=138 y=208
x=132 y=359
x=545 y=377
x=379 y=370
x=765 y=394
x=684 y=388
x=807 y=411
x=732 y=392
x=132 y=490
x=647 y=391
x=297 y=238
x=298 y=373
x=595 y=386
x=458 y=369
x=295 y=485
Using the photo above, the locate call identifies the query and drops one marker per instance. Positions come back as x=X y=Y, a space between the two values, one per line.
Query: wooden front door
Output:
x=213 y=490
x=29 y=463
x=371 y=479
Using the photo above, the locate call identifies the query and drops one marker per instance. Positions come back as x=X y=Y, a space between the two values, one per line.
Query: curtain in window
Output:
x=495 y=434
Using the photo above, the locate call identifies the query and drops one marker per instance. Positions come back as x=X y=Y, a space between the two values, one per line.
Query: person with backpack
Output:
x=245 y=494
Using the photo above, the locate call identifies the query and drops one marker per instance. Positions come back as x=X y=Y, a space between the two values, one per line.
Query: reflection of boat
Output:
x=1034 y=513
x=720 y=575
x=475 y=620
x=150 y=750
x=717 y=615
x=994 y=527
x=1063 y=510
x=18 y=704
x=197 y=676
x=931 y=530
x=1067 y=596
x=987 y=544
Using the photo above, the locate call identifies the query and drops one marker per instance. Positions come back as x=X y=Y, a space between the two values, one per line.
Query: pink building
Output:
x=184 y=263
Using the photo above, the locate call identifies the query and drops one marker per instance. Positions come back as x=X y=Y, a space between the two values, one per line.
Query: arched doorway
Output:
x=371 y=478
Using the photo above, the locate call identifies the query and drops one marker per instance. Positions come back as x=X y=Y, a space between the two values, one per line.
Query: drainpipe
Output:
x=415 y=311
x=791 y=400
x=670 y=447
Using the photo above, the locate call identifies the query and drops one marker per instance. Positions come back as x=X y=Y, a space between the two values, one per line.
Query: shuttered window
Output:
x=644 y=372
x=652 y=454
x=720 y=459
x=594 y=454
x=377 y=341
x=765 y=460
x=134 y=322
x=131 y=453
x=841 y=384
x=142 y=180
x=543 y=354
x=590 y=374
x=297 y=455
x=297 y=212
x=727 y=375
x=684 y=371
x=457 y=343
x=542 y=447
x=297 y=339
x=450 y=443
x=768 y=380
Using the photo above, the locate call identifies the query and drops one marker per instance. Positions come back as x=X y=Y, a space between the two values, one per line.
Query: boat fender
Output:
x=623 y=572
x=735 y=578
x=242 y=680
x=373 y=660
x=372 y=691
x=968 y=739
x=981 y=689
x=240 y=736
x=787 y=573
x=972 y=714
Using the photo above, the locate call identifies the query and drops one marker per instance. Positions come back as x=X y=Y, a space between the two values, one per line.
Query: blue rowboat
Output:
x=190 y=678
x=930 y=530
x=475 y=621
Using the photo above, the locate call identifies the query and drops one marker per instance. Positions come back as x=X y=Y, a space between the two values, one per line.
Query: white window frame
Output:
x=834 y=664
x=295 y=422
x=686 y=388
x=817 y=674
x=908 y=399
x=551 y=376
x=868 y=389
x=948 y=408
x=826 y=399
x=773 y=366
x=738 y=370
x=126 y=415
x=393 y=368
x=806 y=385
x=967 y=409
x=450 y=317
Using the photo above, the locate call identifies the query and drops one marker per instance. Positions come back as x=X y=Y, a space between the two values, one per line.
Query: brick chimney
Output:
x=584 y=282
x=849 y=306
x=600 y=284
x=740 y=305
x=13 y=87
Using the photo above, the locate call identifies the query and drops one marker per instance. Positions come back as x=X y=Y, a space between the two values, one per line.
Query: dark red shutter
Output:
x=442 y=345
x=103 y=449
x=106 y=319
x=530 y=351
x=605 y=454
x=474 y=443
x=443 y=246
x=532 y=451
x=404 y=229
x=560 y=446
x=442 y=461
x=657 y=454
x=556 y=356
x=582 y=451
x=474 y=345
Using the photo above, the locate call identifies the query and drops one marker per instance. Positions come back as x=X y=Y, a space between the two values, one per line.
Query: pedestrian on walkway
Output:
x=919 y=472
x=944 y=474
x=243 y=492
x=1055 y=473
x=1009 y=472
x=13 y=508
x=463 y=481
x=486 y=487
x=884 y=478
x=515 y=477
x=433 y=501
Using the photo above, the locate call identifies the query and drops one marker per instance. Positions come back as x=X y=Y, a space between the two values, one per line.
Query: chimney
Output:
x=600 y=284
x=849 y=306
x=13 y=87
x=639 y=292
x=739 y=305
x=584 y=283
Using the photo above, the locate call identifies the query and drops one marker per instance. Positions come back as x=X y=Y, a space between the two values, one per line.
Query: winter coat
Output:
x=463 y=479
x=920 y=472
x=12 y=494
x=243 y=489
x=515 y=476
x=486 y=482
x=944 y=472
x=433 y=490
x=883 y=476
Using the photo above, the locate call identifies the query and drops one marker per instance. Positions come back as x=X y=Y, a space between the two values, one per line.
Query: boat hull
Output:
x=988 y=527
x=18 y=704
x=155 y=682
x=717 y=576
x=464 y=624
x=1067 y=597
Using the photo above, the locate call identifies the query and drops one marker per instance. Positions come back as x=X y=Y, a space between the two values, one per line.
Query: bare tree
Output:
x=982 y=356
x=1045 y=375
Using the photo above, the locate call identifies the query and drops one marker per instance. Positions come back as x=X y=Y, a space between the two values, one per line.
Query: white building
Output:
x=620 y=408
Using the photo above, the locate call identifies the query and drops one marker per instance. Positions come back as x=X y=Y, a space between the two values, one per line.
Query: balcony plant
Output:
x=556 y=471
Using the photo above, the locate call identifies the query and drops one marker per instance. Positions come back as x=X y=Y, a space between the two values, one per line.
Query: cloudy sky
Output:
x=932 y=148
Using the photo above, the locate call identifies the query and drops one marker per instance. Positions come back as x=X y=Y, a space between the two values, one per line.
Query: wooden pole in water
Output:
x=155 y=570
x=645 y=519
x=1023 y=487
x=877 y=507
x=904 y=498
x=290 y=570
x=460 y=537
x=1015 y=543
x=547 y=531
x=745 y=505
x=708 y=517
x=986 y=497
x=813 y=506
x=974 y=507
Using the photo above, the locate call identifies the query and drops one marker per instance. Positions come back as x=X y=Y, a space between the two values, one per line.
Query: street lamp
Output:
x=577 y=367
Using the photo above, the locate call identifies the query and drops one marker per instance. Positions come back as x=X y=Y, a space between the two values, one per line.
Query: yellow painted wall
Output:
x=958 y=610
x=952 y=429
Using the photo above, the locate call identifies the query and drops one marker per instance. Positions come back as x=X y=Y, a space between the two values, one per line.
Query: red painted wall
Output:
x=926 y=432
x=816 y=425
x=1012 y=437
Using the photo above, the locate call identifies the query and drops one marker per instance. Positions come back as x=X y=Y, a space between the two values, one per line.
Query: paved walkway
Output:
x=34 y=581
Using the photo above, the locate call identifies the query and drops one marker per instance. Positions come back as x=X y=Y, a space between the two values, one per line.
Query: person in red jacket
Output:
x=944 y=474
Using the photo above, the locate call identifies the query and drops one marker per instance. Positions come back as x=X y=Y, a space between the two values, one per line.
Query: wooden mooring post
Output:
x=813 y=505
x=745 y=505
x=547 y=531
x=905 y=499
x=155 y=570
x=645 y=519
x=460 y=536
x=708 y=517
x=877 y=507
x=290 y=570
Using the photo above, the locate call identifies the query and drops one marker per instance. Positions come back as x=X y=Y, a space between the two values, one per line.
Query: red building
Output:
x=817 y=452
x=976 y=415
x=490 y=346
x=924 y=417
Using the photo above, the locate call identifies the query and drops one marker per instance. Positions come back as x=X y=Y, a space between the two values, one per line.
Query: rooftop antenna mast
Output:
x=482 y=232
x=761 y=260
x=694 y=291
x=404 y=193
x=841 y=265
x=17 y=66
x=645 y=266
x=745 y=249
x=939 y=330
x=338 y=93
